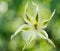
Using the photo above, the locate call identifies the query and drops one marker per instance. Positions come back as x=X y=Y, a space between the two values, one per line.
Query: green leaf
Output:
x=30 y=39
x=21 y=28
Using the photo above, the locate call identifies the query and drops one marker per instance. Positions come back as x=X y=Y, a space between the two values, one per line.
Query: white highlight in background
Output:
x=3 y=7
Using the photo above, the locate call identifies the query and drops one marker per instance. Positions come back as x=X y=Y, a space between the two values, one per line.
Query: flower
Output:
x=35 y=26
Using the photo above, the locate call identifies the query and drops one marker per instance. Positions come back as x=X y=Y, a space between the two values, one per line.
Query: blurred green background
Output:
x=11 y=17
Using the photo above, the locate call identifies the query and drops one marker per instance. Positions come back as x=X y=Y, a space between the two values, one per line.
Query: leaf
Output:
x=30 y=39
x=21 y=28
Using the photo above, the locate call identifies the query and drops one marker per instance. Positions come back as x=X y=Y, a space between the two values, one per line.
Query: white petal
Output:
x=21 y=28
x=50 y=41
x=43 y=24
x=44 y=33
x=41 y=36
x=30 y=39
x=52 y=14
x=37 y=10
x=26 y=16
x=26 y=7
x=35 y=6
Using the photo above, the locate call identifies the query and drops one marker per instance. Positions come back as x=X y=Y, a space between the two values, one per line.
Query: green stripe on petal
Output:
x=36 y=17
x=26 y=16
x=44 y=23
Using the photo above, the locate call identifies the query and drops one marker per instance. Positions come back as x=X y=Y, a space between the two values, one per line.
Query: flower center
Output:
x=35 y=25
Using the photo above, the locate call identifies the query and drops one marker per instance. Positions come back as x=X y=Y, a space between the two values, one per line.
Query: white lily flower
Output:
x=35 y=25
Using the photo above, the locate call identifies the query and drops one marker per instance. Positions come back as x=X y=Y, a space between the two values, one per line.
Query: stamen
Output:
x=35 y=25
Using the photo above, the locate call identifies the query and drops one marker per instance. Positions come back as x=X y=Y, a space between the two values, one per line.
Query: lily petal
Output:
x=30 y=39
x=37 y=10
x=21 y=28
x=43 y=23
x=26 y=7
x=44 y=33
x=36 y=17
x=50 y=41
x=43 y=37
x=52 y=14
x=26 y=16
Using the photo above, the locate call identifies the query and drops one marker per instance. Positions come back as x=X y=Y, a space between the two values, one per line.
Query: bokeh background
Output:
x=11 y=17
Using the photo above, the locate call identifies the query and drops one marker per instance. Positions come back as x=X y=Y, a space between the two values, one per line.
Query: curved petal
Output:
x=26 y=7
x=52 y=14
x=37 y=17
x=30 y=39
x=50 y=41
x=37 y=10
x=43 y=22
x=43 y=37
x=21 y=28
x=44 y=33
x=26 y=16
